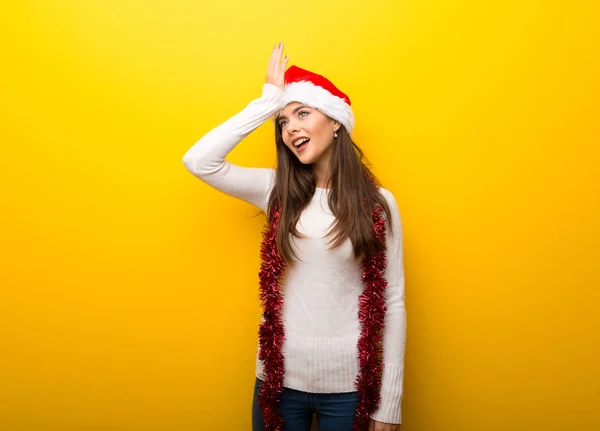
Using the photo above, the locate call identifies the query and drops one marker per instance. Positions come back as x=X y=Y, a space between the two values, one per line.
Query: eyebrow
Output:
x=293 y=112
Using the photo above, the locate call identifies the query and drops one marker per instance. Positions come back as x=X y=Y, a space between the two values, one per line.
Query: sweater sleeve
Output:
x=394 y=333
x=206 y=158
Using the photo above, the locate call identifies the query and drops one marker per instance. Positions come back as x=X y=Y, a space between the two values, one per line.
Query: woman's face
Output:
x=299 y=122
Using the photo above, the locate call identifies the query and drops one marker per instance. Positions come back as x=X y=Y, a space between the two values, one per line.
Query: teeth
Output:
x=300 y=142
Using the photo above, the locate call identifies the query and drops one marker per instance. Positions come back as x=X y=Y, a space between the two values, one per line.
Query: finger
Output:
x=275 y=59
x=279 y=52
x=272 y=59
x=277 y=65
x=285 y=62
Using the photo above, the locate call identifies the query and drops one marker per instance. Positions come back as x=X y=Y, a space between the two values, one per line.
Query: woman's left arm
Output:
x=394 y=333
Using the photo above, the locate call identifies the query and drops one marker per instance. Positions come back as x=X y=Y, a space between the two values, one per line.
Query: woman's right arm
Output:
x=206 y=158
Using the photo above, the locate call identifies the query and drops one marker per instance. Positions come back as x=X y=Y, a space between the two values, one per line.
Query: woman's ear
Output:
x=336 y=126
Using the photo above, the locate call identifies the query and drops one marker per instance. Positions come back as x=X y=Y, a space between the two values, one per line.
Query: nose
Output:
x=292 y=127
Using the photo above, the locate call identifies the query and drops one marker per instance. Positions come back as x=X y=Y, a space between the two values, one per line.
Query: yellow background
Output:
x=129 y=288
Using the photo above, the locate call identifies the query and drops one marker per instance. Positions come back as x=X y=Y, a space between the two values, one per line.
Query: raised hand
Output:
x=276 y=69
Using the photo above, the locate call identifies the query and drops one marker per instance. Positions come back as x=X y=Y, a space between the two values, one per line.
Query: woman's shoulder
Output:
x=388 y=195
x=269 y=177
x=392 y=203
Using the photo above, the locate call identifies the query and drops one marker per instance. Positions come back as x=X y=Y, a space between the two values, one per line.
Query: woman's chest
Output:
x=315 y=222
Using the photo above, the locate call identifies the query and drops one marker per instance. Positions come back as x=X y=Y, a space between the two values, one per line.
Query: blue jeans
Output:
x=335 y=412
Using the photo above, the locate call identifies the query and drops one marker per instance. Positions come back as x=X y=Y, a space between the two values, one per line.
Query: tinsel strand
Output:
x=271 y=332
x=371 y=314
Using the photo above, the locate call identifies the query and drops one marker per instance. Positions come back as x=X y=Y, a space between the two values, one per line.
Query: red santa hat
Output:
x=318 y=92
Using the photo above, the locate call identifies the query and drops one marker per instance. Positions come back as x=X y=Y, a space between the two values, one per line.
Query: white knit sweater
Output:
x=321 y=290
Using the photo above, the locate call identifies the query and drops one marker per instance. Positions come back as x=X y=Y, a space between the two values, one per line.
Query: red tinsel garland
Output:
x=371 y=313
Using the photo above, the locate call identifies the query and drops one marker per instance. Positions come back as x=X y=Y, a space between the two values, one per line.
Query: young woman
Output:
x=332 y=336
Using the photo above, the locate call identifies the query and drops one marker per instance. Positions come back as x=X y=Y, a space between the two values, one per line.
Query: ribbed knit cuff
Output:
x=272 y=93
x=391 y=395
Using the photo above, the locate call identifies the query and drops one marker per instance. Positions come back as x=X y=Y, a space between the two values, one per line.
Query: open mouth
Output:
x=301 y=144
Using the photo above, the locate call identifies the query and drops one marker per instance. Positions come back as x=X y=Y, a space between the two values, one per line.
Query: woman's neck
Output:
x=321 y=171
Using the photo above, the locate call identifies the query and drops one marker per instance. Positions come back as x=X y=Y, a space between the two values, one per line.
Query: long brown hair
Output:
x=353 y=194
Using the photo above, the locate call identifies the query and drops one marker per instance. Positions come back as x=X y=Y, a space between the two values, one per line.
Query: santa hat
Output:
x=318 y=92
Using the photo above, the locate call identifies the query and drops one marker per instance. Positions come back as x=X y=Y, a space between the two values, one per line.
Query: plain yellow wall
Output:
x=129 y=288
